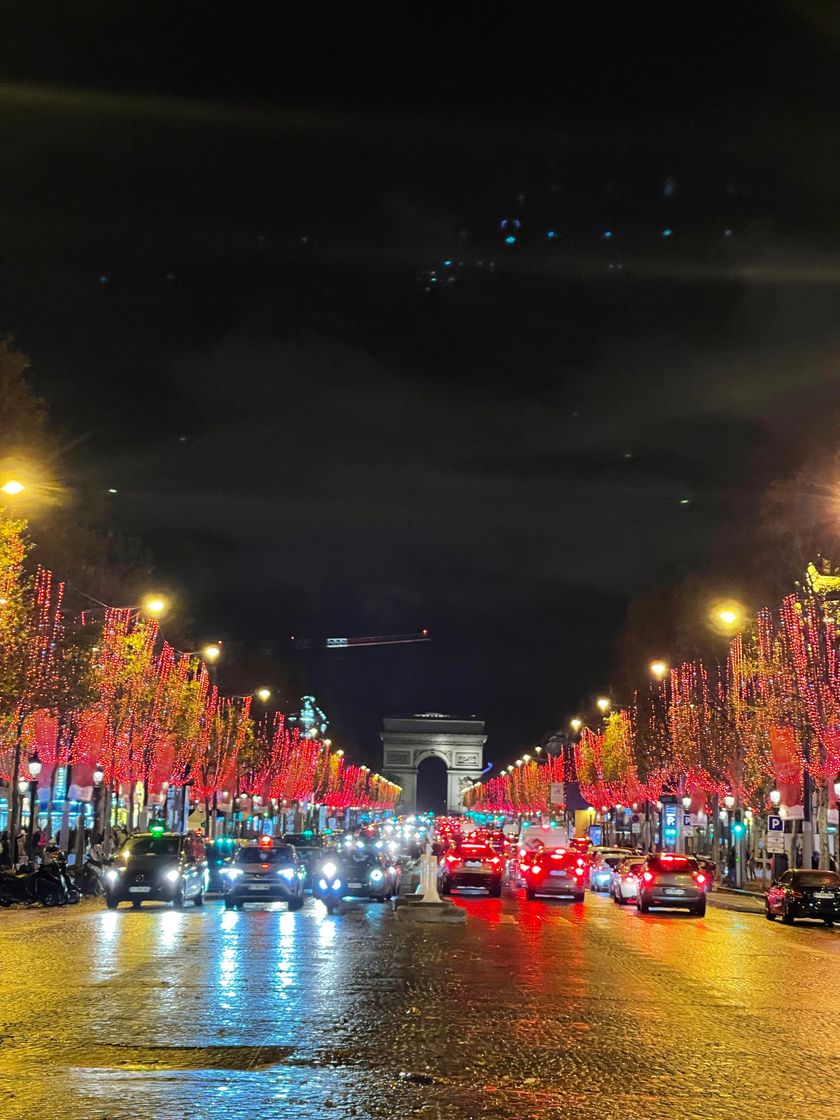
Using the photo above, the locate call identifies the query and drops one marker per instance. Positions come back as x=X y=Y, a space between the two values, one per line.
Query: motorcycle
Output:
x=54 y=865
x=47 y=885
x=329 y=885
x=88 y=879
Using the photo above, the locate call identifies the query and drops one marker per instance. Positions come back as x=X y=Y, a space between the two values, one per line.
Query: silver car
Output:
x=673 y=881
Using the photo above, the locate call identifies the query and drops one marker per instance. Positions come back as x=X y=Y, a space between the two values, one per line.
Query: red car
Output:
x=471 y=865
x=555 y=871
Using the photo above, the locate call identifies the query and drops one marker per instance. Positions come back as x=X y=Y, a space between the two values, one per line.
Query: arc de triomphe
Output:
x=406 y=742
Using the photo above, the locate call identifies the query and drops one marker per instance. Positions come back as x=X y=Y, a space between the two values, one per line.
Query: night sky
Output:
x=261 y=271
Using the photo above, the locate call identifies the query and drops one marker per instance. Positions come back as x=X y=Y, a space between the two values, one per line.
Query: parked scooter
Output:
x=47 y=885
x=89 y=878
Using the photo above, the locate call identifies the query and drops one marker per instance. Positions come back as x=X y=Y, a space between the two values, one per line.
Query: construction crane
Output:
x=361 y=642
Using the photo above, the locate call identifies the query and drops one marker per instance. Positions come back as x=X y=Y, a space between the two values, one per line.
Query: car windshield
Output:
x=673 y=866
x=265 y=855
x=557 y=858
x=816 y=879
x=152 y=846
x=299 y=840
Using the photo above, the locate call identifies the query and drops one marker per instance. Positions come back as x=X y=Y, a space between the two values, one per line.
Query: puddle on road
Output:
x=139 y=1058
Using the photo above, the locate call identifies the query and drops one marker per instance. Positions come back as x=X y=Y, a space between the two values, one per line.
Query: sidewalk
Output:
x=747 y=900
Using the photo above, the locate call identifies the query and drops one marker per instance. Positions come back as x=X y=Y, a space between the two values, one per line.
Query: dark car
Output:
x=160 y=867
x=368 y=875
x=709 y=869
x=672 y=881
x=218 y=854
x=804 y=894
x=471 y=865
x=264 y=872
x=309 y=849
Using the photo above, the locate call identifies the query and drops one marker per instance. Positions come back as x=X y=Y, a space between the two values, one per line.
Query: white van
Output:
x=532 y=837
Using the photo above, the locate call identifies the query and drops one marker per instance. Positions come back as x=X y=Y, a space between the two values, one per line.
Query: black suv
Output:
x=159 y=867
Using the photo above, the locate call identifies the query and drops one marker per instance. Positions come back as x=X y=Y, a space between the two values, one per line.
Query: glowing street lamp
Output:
x=576 y=724
x=155 y=606
x=212 y=653
x=603 y=704
x=686 y=803
x=728 y=617
x=263 y=695
x=776 y=795
x=729 y=801
x=12 y=487
x=658 y=669
x=34 y=766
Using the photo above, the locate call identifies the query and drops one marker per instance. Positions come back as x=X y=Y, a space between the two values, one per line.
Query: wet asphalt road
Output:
x=542 y=1009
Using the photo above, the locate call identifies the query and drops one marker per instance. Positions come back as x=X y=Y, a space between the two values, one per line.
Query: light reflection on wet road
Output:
x=532 y=1009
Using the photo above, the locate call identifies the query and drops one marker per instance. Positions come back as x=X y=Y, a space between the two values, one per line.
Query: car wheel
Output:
x=50 y=900
x=228 y=904
x=199 y=899
x=295 y=903
x=787 y=917
x=579 y=897
x=135 y=903
x=111 y=903
x=768 y=914
x=829 y=921
x=644 y=906
x=178 y=900
x=699 y=911
x=445 y=887
x=530 y=894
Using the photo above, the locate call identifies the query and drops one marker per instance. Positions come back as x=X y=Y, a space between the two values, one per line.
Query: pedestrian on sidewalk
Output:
x=730 y=867
x=751 y=867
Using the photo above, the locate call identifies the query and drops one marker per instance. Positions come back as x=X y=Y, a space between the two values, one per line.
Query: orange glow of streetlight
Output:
x=212 y=653
x=263 y=695
x=727 y=617
x=658 y=669
x=603 y=704
x=155 y=606
x=12 y=487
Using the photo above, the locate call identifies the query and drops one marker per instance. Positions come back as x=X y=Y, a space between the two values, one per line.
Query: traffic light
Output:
x=738 y=826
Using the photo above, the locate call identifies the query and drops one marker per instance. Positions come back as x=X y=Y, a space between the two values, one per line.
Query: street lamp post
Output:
x=34 y=773
x=686 y=804
x=98 y=775
x=734 y=843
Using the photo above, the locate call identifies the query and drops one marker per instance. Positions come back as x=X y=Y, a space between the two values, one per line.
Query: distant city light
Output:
x=510 y=239
x=667 y=232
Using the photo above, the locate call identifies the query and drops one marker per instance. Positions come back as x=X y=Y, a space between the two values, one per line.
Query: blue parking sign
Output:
x=775 y=824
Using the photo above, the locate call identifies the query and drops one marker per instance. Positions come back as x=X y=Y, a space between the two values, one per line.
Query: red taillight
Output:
x=452 y=860
x=648 y=877
x=524 y=868
x=699 y=878
x=536 y=869
x=579 y=871
x=496 y=861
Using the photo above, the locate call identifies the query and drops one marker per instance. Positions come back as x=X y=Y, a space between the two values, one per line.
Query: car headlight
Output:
x=322 y=883
x=336 y=884
x=287 y=873
x=329 y=870
x=376 y=875
x=173 y=876
x=232 y=872
x=112 y=875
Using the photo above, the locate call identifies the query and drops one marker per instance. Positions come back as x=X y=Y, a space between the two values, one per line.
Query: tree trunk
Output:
x=822 y=819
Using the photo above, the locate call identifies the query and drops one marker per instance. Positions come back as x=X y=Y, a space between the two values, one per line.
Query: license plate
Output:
x=139 y=890
x=557 y=874
x=354 y=886
x=258 y=886
x=823 y=894
x=674 y=890
x=472 y=863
